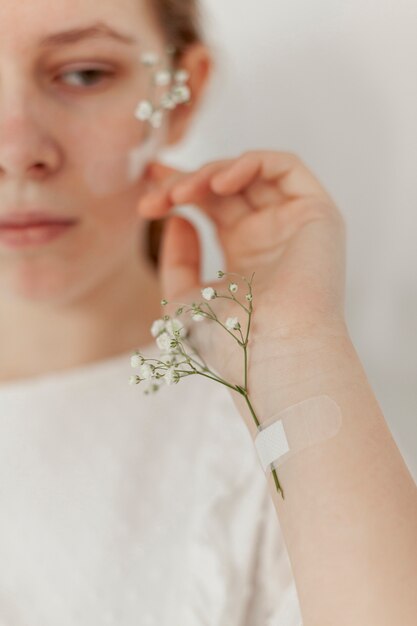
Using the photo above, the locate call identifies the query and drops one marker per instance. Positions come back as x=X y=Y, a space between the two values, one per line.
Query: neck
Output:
x=113 y=318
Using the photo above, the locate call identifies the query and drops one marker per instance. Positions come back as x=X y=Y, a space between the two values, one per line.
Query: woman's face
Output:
x=69 y=142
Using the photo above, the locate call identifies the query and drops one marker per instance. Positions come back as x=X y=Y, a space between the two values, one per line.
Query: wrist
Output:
x=282 y=372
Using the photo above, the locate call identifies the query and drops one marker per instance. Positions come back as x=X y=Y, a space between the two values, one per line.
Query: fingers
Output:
x=172 y=190
x=280 y=173
x=198 y=184
x=283 y=168
x=180 y=254
x=157 y=202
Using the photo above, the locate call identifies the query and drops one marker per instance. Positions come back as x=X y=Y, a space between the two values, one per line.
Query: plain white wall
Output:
x=334 y=82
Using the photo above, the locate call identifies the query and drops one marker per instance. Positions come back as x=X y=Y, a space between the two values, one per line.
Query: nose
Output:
x=27 y=149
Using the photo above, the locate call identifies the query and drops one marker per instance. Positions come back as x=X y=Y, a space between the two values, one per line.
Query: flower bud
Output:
x=157 y=327
x=209 y=293
x=134 y=380
x=232 y=323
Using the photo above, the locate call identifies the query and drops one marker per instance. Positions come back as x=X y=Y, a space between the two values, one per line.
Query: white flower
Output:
x=232 y=323
x=136 y=360
x=145 y=371
x=181 y=93
x=144 y=110
x=233 y=287
x=168 y=358
x=172 y=376
x=181 y=76
x=249 y=297
x=134 y=380
x=175 y=324
x=198 y=317
x=149 y=58
x=162 y=78
x=157 y=327
x=164 y=342
x=156 y=119
x=168 y=102
x=209 y=293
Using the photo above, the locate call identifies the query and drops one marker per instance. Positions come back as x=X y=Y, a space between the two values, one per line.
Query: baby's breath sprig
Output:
x=162 y=73
x=172 y=337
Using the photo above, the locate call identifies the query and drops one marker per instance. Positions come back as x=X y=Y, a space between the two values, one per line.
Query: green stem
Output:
x=234 y=300
x=219 y=380
x=248 y=402
x=246 y=365
x=204 y=367
x=215 y=319
x=273 y=470
x=190 y=358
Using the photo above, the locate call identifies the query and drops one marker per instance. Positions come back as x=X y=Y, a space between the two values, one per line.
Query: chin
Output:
x=41 y=286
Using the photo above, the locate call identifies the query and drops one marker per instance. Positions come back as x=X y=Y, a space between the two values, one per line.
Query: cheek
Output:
x=111 y=159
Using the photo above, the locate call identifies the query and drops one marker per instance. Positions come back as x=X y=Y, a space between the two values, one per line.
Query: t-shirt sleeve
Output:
x=273 y=599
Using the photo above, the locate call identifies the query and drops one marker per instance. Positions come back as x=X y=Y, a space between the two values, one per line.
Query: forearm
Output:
x=349 y=517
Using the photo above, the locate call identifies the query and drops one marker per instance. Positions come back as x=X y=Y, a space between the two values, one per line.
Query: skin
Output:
x=349 y=516
x=81 y=133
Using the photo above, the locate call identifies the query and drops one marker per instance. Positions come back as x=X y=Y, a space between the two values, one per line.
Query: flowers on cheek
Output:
x=174 y=79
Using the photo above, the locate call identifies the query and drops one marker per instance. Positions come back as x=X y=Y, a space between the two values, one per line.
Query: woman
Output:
x=117 y=509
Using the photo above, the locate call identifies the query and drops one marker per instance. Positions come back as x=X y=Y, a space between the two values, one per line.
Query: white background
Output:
x=334 y=82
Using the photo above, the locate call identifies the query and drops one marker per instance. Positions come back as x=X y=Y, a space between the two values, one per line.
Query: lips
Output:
x=24 y=219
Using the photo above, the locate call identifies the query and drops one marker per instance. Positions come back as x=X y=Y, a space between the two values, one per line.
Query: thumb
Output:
x=179 y=265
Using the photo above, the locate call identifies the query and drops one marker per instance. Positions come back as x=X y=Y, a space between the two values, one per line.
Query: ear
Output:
x=199 y=64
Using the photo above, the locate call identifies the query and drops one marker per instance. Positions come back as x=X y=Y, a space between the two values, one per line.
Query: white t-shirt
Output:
x=121 y=508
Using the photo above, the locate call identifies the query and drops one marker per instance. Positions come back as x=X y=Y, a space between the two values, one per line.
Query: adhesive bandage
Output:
x=302 y=425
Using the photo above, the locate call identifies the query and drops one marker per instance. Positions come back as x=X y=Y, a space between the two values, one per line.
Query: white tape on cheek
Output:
x=110 y=174
x=140 y=156
x=301 y=426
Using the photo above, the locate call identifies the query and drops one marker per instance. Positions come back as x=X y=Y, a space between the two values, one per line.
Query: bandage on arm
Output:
x=349 y=516
x=300 y=426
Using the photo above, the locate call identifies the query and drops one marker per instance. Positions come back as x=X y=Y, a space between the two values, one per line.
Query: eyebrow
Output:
x=98 y=30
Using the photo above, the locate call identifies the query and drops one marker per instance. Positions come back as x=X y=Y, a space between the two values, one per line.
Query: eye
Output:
x=86 y=77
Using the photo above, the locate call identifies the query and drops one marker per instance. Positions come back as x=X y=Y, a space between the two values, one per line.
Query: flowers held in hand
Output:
x=146 y=371
x=178 y=359
x=208 y=293
x=232 y=323
x=171 y=336
x=157 y=327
